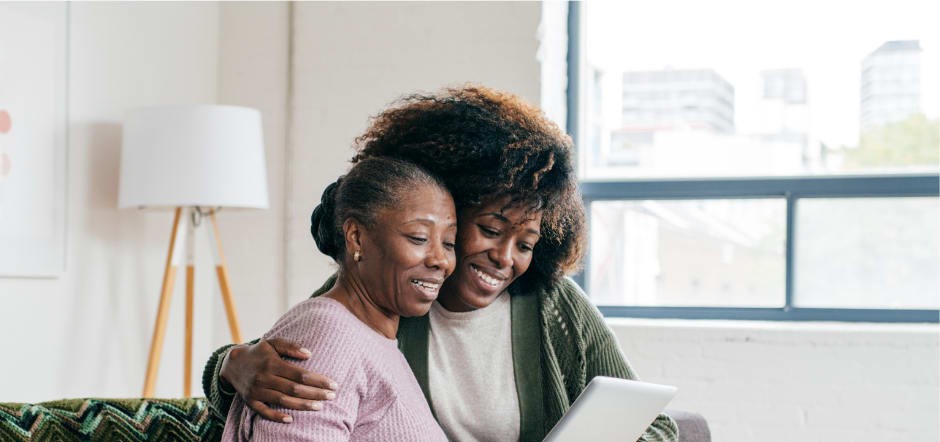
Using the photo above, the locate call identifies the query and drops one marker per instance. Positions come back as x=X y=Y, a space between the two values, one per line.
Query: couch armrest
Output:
x=692 y=426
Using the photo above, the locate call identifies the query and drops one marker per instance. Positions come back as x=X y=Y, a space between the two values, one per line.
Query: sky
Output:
x=826 y=38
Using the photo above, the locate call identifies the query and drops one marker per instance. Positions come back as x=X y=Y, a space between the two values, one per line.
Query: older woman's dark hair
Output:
x=372 y=185
x=486 y=145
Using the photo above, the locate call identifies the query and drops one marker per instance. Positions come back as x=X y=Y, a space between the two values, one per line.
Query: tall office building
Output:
x=783 y=112
x=787 y=85
x=891 y=83
x=677 y=99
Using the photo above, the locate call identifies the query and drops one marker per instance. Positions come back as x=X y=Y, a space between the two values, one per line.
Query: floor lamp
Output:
x=196 y=160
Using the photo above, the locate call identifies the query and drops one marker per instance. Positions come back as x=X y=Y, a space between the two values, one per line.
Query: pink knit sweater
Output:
x=378 y=398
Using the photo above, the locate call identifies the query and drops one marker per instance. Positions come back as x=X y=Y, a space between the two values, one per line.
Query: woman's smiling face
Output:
x=410 y=252
x=494 y=247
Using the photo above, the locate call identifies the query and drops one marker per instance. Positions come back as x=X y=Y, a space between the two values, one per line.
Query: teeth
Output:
x=489 y=280
x=427 y=285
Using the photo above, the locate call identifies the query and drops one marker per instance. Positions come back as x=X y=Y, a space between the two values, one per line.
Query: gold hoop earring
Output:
x=357 y=256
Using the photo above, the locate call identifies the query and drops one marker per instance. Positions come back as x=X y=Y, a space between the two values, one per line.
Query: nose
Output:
x=501 y=254
x=437 y=258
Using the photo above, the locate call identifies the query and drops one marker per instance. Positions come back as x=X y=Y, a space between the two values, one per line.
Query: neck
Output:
x=350 y=291
x=450 y=300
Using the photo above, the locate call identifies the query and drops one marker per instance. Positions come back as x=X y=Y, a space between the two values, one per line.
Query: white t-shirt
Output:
x=470 y=372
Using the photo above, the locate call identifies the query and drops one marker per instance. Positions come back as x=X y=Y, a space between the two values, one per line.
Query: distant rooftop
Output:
x=899 y=45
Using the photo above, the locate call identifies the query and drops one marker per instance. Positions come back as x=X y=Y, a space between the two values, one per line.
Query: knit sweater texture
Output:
x=379 y=398
x=560 y=343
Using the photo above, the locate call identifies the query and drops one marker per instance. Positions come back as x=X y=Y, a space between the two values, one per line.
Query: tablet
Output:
x=611 y=409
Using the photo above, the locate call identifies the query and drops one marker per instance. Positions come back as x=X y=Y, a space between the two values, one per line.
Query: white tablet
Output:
x=611 y=409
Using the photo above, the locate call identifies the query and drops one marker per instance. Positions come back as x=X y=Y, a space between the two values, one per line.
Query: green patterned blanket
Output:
x=110 y=420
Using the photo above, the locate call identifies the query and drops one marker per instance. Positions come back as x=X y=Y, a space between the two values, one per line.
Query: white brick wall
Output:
x=759 y=381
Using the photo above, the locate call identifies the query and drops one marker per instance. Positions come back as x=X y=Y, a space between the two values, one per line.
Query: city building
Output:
x=677 y=99
x=783 y=112
x=787 y=85
x=891 y=83
x=783 y=115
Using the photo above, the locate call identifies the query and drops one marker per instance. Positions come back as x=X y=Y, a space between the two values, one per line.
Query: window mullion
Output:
x=789 y=252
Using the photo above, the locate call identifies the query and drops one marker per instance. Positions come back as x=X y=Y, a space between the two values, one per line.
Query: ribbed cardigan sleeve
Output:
x=603 y=357
x=219 y=398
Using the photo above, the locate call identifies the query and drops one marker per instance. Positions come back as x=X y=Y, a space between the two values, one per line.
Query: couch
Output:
x=164 y=420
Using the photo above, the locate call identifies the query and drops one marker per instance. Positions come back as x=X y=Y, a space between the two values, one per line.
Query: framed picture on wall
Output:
x=33 y=137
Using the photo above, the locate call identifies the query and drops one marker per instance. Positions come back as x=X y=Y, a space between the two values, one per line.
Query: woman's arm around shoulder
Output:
x=334 y=354
x=218 y=393
x=256 y=371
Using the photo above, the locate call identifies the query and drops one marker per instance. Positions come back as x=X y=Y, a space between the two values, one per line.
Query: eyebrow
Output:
x=497 y=215
x=502 y=218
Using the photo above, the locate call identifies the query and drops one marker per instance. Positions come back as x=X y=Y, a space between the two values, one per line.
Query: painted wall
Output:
x=352 y=59
x=87 y=332
x=254 y=71
x=760 y=381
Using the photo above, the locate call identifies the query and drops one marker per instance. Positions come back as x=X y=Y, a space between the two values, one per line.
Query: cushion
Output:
x=110 y=420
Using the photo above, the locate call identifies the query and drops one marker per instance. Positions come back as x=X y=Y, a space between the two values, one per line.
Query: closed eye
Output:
x=488 y=231
x=417 y=239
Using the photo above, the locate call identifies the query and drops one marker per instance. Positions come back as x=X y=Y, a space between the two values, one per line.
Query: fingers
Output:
x=298 y=375
x=298 y=404
x=269 y=414
x=318 y=381
x=273 y=397
x=300 y=392
x=289 y=349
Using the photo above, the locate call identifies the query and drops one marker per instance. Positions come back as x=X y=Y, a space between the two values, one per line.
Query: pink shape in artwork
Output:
x=5 y=122
x=5 y=164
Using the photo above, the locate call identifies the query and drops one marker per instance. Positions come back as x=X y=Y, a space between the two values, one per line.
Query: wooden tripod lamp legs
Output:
x=222 y=273
x=166 y=295
x=190 y=296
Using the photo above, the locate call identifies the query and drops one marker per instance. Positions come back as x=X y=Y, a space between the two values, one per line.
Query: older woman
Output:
x=391 y=228
x=511 y=342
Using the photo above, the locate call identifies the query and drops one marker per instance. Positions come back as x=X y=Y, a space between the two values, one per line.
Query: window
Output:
x=753 y=162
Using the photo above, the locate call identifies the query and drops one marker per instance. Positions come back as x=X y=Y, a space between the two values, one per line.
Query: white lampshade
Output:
x=205 y=155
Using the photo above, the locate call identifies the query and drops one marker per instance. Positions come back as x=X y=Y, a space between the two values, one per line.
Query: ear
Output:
x=353 y=232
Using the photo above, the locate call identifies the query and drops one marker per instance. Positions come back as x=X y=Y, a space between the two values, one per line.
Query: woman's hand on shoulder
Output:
x=263 y=379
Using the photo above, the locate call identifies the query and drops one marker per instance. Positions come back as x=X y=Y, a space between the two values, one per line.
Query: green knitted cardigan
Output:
x=559 y=340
